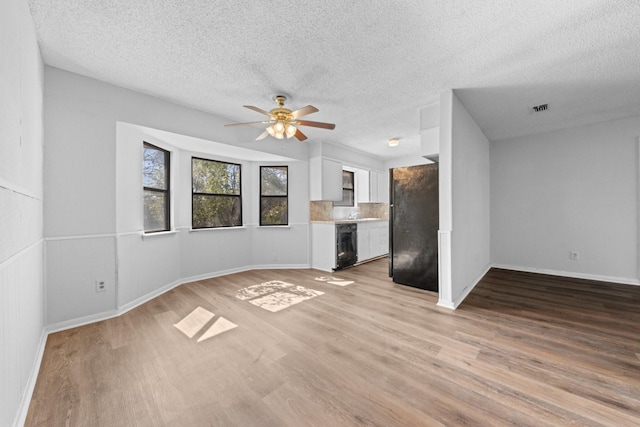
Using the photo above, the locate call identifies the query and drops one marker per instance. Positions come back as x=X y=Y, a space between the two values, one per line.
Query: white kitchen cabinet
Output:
x=383 y=187
x=373 y=239
x=364 y=242
x=325 y=179
x=362 y=186
x=383 y=239
x=323 y=246
x=379 y=187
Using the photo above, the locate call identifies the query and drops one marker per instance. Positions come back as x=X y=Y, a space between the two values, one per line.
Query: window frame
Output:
x=273 y=196
x=239 y=195
x=166 y=192
x=352 y=190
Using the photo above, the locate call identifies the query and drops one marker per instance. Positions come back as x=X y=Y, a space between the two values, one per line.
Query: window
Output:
x=155 y=182
x=274 y=199
x=347 y=190
x=216 y=200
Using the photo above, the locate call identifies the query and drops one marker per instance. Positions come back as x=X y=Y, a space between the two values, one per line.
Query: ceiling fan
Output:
x=283 y=122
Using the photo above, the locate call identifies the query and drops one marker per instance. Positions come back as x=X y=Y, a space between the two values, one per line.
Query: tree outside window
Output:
x=216 y=195
x=155 y=182
x=274 y=197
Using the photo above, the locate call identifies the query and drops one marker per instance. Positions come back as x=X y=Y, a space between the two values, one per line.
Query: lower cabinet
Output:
x=364 y=243
x=323 y=246
x=373 y=239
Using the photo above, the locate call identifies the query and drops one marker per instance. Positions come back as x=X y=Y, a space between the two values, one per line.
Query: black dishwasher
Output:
x=346 y=245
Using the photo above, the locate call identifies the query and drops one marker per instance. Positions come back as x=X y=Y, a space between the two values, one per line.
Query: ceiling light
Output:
x=271 y=131
x=291 y=130
x=393 y=142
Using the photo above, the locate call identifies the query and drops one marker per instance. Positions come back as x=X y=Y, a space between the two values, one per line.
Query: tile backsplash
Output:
x=323 y=210
x=373 y=210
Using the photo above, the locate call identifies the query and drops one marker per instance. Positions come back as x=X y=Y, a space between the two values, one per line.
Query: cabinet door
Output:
x=323 y=246
x=383 y=240
x=364 y=243
x=362 y=186
x=373 y=186
x=331 y=180
x=325 y=179
x=383 y=187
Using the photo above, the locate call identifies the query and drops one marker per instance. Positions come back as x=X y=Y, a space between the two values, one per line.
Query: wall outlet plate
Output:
x=101 y=285
x=574 y=256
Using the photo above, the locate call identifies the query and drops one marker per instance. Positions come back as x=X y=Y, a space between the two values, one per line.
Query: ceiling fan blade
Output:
x=247 y=124
x=259 y=110
x=316 y=124
x=301 y=136
x=304 y=111
x=263 y=135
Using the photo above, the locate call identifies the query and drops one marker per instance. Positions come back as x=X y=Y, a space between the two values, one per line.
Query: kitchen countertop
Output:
x=349 y=221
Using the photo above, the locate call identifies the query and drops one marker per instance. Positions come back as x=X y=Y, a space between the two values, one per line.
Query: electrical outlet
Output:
x=574 y=256
x=101 y=285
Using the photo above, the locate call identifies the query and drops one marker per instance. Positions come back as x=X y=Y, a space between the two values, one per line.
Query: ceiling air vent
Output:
x=540 y=108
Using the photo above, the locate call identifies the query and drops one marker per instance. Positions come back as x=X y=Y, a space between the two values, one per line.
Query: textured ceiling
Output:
x=369 y=66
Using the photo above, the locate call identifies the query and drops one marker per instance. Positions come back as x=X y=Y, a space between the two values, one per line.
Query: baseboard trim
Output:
x=23 y=409
x=81 y=321
x=281 y=267
x=465 y=292
x=573 y=275
x=86 y=320
x=446 y=304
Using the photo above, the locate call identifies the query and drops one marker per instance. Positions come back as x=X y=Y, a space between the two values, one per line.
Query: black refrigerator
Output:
x=414 y=222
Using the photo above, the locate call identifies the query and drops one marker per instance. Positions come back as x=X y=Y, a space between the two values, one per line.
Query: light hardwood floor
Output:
x=523 y=349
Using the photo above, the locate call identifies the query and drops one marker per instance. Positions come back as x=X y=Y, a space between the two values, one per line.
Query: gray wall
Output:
x=470 y=237
x=569 y=190
x=21 y=205
x=465 y=218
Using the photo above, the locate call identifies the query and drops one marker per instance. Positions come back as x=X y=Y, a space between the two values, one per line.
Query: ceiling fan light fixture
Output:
x=271 y=131
x=290 y=130
x=284 y=122
x=393 y=142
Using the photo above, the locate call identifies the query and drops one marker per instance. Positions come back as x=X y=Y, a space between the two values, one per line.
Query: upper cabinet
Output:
x=379 y=187
x=325 y=182
x=325 y=179
x=362 y=185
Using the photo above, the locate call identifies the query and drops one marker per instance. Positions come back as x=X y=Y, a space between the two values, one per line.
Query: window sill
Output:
x=197 y=230
x=266 y=227
x=159 y=233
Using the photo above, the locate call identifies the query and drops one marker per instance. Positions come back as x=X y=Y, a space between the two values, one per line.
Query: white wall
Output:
x=471 y=220
x=93 y=218
x=465 y=219
x=569 y=190
x=445 y=172
x=21 y=205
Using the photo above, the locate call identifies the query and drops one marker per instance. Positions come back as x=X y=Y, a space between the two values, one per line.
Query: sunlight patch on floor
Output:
x=334 y=280
x=275 y=295
x=219 y=326
x=195 y=321
x=198 y=319
x=261 y=289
